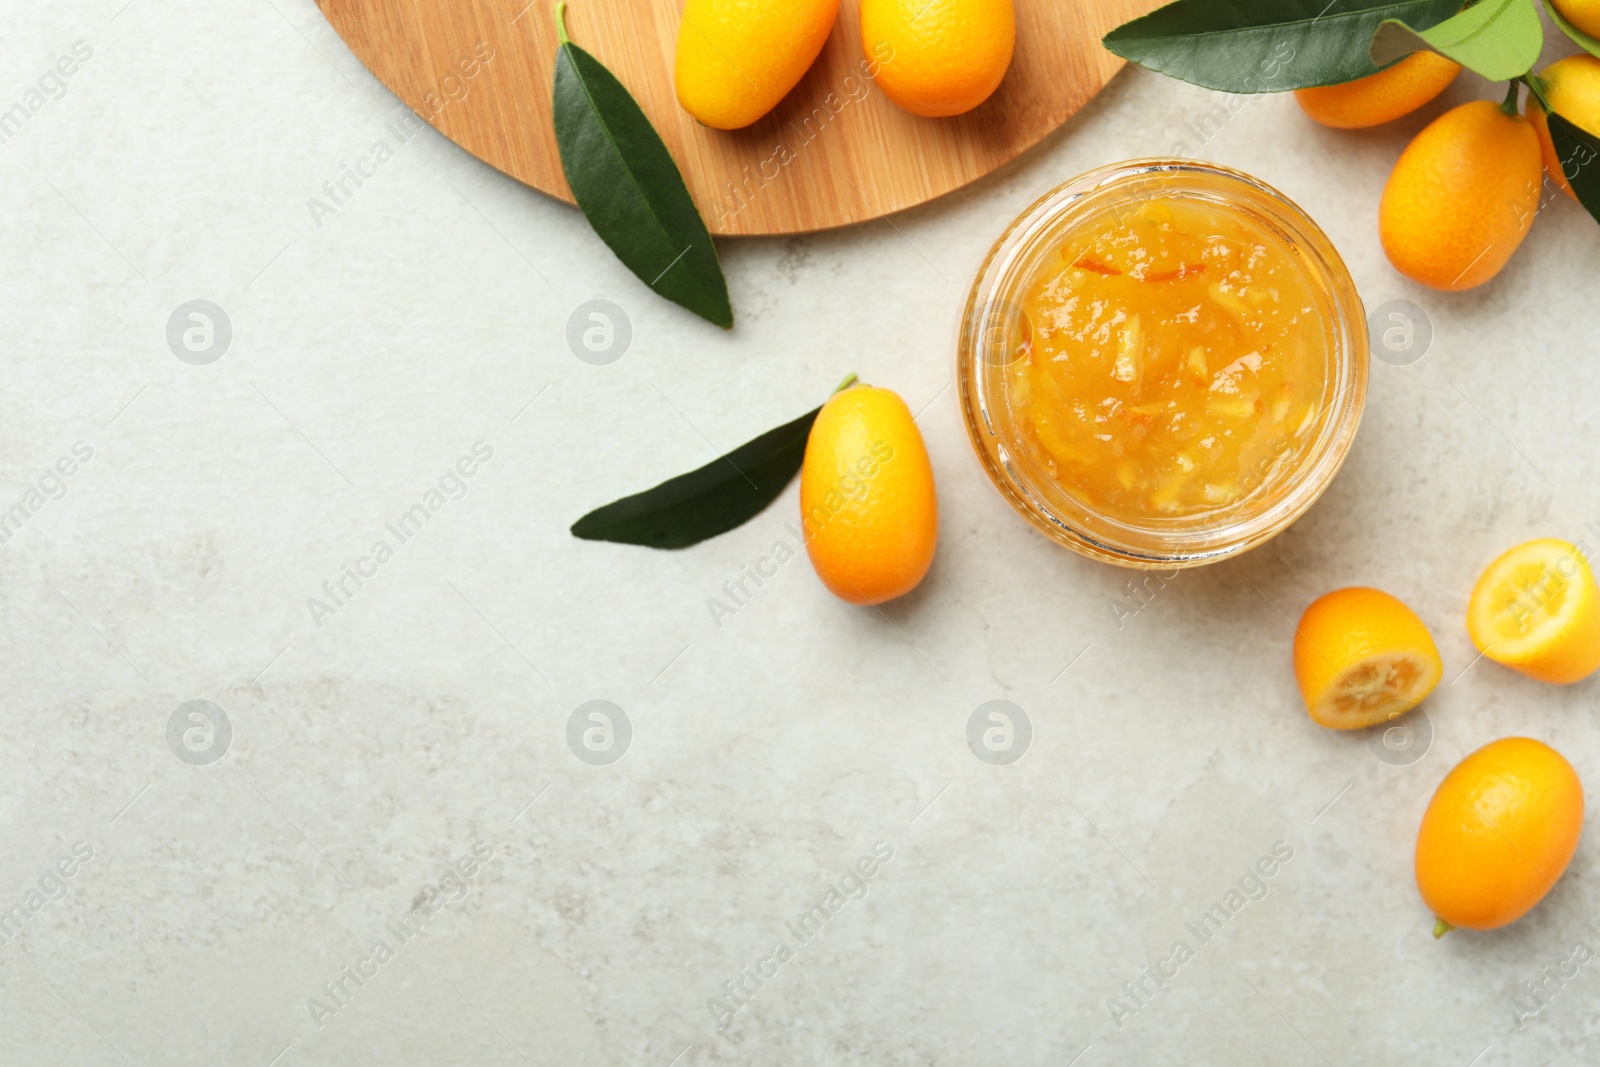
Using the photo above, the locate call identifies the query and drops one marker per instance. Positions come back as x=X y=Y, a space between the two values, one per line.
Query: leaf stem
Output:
x=1536 y=87
x=847 y=383
x=561 y=22
x=1440 y=928
x=1509 y=105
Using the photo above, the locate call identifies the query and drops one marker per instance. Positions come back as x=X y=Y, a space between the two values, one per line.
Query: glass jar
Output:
x=996 y=331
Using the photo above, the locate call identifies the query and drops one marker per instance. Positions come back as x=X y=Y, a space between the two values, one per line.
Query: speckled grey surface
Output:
x=427 y=715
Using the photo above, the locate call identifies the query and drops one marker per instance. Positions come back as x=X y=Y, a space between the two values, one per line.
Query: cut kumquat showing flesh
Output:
x=1362 y=657
x=1536 y=609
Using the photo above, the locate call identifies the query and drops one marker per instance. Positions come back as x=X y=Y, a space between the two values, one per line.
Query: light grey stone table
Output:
x=396 y=771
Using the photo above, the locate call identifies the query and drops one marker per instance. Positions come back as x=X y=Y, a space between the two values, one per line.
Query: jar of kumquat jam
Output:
x=1162 y=363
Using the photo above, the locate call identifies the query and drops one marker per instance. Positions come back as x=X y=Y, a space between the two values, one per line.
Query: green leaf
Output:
x=725 y=493
x=1266 y=46
x=1499 y=39
x=1581 y=39
x=1579 y=153
x=629 y=188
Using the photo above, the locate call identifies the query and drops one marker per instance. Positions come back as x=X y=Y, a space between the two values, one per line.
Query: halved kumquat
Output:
x=1362 y=657
x=1536 y=609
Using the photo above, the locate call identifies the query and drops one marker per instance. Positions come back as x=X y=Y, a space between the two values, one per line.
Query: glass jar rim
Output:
x=1160 y=543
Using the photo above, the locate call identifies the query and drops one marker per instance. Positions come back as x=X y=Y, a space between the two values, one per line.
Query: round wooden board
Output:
x=834 y=151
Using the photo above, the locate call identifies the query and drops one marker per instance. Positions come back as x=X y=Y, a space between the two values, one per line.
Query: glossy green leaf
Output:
x=1499 y=39
x=1581 y=39
x=1579 y=153
x=725 y=493
x=630 y=189
x=1266 y=46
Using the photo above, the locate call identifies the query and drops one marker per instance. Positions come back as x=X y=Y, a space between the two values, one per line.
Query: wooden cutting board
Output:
x=835 y=151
